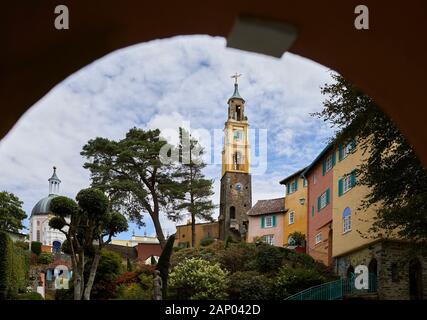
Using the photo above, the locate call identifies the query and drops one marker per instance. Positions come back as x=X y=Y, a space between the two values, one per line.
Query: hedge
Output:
x=14 y=268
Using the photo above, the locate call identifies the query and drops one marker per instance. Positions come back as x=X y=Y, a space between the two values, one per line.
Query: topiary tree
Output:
x=85 y=225
x=45 y=258
x=198 y=279
x=164 y=263
x=36 y=247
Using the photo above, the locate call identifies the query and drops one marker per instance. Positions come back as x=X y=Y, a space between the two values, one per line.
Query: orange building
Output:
x=295 y=202
x=204 y=231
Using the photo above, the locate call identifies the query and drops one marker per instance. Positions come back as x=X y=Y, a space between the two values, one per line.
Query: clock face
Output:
x=238 y=186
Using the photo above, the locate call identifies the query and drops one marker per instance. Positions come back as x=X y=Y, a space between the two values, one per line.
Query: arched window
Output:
x=237 y=160
x=232 y=212
x=346 y=220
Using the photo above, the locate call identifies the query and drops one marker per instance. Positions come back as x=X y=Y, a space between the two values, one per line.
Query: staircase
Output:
x=338 y=290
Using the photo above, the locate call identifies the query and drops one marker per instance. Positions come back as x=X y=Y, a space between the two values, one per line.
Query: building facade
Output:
x=295 y=202
x=319 y=176
x=236 y=186
x=39 y=229
x=266 y=222
x=204 y=231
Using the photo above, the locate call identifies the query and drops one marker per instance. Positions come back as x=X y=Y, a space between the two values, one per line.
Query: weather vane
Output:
x=235 y=76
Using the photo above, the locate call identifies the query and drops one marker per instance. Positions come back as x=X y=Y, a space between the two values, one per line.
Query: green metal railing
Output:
x=335 y=290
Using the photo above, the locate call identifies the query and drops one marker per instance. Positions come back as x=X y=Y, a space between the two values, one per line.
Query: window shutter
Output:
x=312 y=211
x=318 y=204
x=296 y=184
x=274 y=221
x=262 y=222
x=327 y=196
x=340 y=152
x=340 y=187
x=353 y=178
x=324 y=166
x=288 y=188
x=353 y=144
x=333 y=158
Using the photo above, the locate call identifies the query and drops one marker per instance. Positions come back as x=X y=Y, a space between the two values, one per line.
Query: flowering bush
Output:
x=198 y=279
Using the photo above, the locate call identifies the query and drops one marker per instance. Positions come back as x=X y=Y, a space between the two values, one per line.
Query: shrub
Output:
x=270 y=258
x=45 y=258
x=29 y=296
x=14 y=268
x=36 y=247
x=164 y=263
x=238 y=257
x=23 y=245
x=64 y=294
x=198 y=279
x=131 y=291
x=206 y=242
x=293 y=280
x=250 y=285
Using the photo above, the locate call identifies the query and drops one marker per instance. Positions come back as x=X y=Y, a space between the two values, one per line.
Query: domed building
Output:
x=39 y=220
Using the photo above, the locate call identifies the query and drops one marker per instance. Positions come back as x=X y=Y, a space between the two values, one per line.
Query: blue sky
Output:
x=164 y=84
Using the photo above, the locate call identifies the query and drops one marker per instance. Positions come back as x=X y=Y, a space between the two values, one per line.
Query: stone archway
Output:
x=415 y=280
x=326 y=34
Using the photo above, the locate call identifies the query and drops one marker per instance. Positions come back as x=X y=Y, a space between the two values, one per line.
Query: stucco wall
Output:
x=203 y=231
x=255 y=229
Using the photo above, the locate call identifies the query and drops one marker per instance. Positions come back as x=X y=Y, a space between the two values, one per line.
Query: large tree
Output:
x=135 y=176
x=11 y=213
x=195 y=189
x=88 y=226
x=396 y=178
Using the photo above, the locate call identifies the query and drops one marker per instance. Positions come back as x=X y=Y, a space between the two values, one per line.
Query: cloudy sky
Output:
x=164 y=84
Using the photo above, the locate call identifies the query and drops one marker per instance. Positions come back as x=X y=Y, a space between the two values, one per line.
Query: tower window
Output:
x=232 y=212
x=237 y=160
x=238 y=113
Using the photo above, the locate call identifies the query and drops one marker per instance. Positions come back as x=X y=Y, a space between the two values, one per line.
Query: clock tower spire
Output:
x=236 y=191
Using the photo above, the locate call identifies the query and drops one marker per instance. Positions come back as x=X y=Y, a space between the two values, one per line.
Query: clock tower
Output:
x=236 y=191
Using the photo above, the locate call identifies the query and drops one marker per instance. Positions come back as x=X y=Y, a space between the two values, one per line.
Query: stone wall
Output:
x=392 y=267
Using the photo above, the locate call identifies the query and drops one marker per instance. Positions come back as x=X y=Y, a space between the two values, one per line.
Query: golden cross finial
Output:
x=235 y=76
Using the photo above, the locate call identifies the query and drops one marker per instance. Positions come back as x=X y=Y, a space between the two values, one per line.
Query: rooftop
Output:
x=268 y=206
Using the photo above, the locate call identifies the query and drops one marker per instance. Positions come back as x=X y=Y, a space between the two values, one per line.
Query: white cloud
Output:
x=165 y=84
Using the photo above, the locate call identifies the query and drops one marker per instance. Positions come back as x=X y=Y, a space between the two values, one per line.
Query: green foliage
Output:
x=23 y=245
x=298 y=238
x=110 y=266
x=270 y=258
x=131 y=291
x=93 y=202
x=207 y=242
x=293 y=280
x=395 y=177
x=14 y=268
x=63 y=207
x=11 y=212
x=36 y=247
x=164 y=263
x=198 y=279
x=29 y=296
x=238 y=257
x=250 y=285
x=64 y=294
x=45 y=258
x=133 y=174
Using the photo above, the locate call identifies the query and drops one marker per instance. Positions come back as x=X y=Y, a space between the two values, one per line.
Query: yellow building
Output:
x=204 y=231
x=295 y=219
x=350 y=224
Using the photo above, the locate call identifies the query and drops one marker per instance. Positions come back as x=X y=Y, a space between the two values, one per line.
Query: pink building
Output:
x=319 y=175
x=266 y=221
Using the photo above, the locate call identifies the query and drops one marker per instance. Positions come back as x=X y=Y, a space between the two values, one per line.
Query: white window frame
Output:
x=314 y=179
x=346 y=183
x=329 y=163
x=318 y=238
x=348 y=149
x=268 y=239
x=323 y=202
x=304 y=182
x=270 y=224
x=346 y=224
x=291 y=217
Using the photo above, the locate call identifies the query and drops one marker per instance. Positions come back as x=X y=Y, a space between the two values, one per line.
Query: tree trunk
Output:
x=193 y=230
x=159 y=231
x=91 y=279
x=77 y=284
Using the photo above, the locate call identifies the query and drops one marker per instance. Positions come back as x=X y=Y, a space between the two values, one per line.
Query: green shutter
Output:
x=340 y=152
x=353 y=178
x=327 y=196
x=262 y=222
x=288 y=188
x=323 y=166
x=274 y=221
x=353 y=145
x=312 y=211
x=340 y=186
x=296 y=184
x=318 y=204
x=333 y=158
